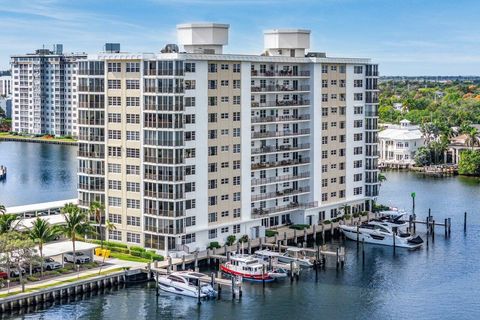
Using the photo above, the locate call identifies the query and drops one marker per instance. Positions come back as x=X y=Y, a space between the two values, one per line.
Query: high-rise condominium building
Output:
x=5 y=84
x=186 y=148
x=44 y=92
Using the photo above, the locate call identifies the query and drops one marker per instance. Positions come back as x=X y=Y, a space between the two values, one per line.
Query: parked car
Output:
x=3 y=275
x=13 y=271
x=80 y=257
x=48 y=264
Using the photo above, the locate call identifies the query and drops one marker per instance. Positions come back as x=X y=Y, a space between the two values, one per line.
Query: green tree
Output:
x=40 y=233
x=8 y=222
x=97 y=209
x=3 y=210
x=469 y=163
x=423 y=157
x=76 y=224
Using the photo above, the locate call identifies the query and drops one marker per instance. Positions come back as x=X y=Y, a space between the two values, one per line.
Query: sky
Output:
x=405 y=37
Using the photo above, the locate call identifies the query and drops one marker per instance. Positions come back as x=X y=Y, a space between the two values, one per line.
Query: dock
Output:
x=3 y=172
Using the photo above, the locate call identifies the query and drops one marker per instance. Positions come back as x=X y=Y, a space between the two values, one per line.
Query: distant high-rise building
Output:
x=5 y=84
x=189 y=147
x=44 y=93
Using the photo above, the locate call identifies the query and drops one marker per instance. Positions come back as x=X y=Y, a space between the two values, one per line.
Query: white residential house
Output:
x=398 y=143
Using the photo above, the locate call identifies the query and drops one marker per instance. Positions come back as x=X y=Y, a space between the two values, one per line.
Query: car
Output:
x=3 y=275
x=13 y=271
x=80 y=257
x=50 y=264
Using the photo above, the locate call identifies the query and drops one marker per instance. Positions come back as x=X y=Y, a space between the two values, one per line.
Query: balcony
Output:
x=163 y=160
x=273 y=134
x=276 y=164
x=163 y=195
x=87 y=154
x=84 y=186
x=160 y=177
x=91 y=171
x=257 y=213
x=165 y=213
x=164 y=230
x=281 y=103
x=91 y=138
x=262 y=181
x=282 y=148
x=281 y=73
x=279 y=194
x=279 y=88
x=266 y=119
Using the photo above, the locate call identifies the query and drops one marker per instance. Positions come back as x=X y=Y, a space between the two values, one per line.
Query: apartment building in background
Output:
x=44 y=98
x=188 y=147
x=5 y=84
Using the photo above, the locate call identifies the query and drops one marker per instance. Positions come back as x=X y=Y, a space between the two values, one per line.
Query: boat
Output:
x=379 y=233
x=297 y=255
x=186 y=283
x=246 y=266
x=392 y=218
x=277 y=270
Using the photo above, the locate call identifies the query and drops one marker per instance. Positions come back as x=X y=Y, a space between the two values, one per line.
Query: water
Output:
x=439 y=283
x=37 y=172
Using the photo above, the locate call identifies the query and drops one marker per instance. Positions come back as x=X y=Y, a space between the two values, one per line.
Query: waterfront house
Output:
x=398 y=144
x=458 y=144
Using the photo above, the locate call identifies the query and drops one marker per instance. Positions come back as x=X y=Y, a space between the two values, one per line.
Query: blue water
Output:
x=37 y=172
x=442 y=282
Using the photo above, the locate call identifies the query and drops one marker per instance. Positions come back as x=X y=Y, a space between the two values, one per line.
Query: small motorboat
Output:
x=393 y=219
x=186 y=283
x=246 y=266
x=297 y=255
x=278 y=273
x=377 y=232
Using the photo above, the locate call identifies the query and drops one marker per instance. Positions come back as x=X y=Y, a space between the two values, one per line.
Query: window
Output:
x=357 y=177
x=189 y=170
x=236 y=100
x=115 y=218
x=224 y=66
x=133 y=84
x=133 y=186
x=224 y=99
x=212 y=234
x=236 y=228
x=357 y=164
x=114 y=185
x=133 y=135
x=133 y=153
x=236 y=148
x=357 y=150
x=114 y=101
x=357 y=191
x=236 y=132
x=212 y=217
x=324 y=154
x=212 y=184
x=236 y=67
x=324 y=97
x=133 y=118
x=133 y=170
x=236 y=212
x=236 y=196
x=324 y=83
x=212 y=84
x=236 y=116
x=333 y=68
x=358 y=83
x=190 y=102
x=133 y=204
x=133 y=221
x=190 y=221
x=114 y=134
x=224 y=83
x=114 y=84
x=358 y=69
x=114 y=118
x=225 y=197
x=114 y=151
x=190 y=67
x=358 y=96
x=190 y=204
x=358 y=123
x=324 y=68
x=132 y=67
x=114 y=67
x=212 y=67
x=236 y=181
x=324 y=112
x=357 y=137
x=224 y=229
x=212 y=200
x=236 y=164
x=236 y=84
x=114 y=202
x=324 y=196
x=358 y=110
x=133 y=237
x=114 y=168
x=133 y=101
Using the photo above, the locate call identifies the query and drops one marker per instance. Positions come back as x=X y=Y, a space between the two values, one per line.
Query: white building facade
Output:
x=186 y=148
x=44 y=98
x=399 y=143
x=5 y=85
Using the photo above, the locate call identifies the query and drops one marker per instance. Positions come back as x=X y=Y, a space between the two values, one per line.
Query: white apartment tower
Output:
x=5 y=84
x=186 y=148
x=44 y=98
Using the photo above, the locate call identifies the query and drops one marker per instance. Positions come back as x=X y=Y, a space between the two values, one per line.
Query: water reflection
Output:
x=37 y=173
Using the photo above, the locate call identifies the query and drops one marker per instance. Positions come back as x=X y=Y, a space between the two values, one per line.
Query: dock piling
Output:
x=465 y=222
x=449 y=226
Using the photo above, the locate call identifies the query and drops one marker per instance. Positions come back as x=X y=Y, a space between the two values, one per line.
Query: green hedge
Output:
x=137 y=248
x=119 y=250
x=214 y=245
x=270 y=233
x=299 y=226
x=327 y=222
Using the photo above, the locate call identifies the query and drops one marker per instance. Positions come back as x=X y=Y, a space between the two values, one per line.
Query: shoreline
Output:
x=38 y=140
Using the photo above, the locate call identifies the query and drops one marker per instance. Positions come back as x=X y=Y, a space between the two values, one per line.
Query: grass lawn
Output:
x=18 y=137
x=128 y=257
x=32 y=289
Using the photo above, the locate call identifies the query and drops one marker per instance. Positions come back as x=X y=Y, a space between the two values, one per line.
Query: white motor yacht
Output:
x=379 y=233
x=393 y=219
x=297 y=255
x=186 y=283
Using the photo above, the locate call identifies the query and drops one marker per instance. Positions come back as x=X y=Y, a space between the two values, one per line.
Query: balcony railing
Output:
x=286 y=133
x=282 y=193
x=91 y=171
x=84 y=186
x=165 y=213
x=280 y=103
x=282 y=148
x=303 y=175
x=159 y=177
x=87 y=154
x=164 y=230
x=163 y=195
x=280 y=119
x=279 y=88
x=281 y=73
x=256 y=212
x=283 y=163
x=91 y=138
x=163 y=160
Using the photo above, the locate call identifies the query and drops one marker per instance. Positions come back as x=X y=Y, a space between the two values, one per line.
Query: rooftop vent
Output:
x=170 y=48
x=203 y=37
x=316 y=55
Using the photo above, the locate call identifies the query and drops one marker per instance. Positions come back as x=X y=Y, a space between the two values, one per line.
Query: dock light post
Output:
x=413 y=194
x=78 y=271
x=8 y=285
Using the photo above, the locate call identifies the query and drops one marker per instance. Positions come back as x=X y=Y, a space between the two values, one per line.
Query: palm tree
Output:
x=473 y=138
x=381 y=178
x=76 y=224
x=3 y=210
x=42 y=232
x=97 y=209
x=108 y=227
x=7 y=222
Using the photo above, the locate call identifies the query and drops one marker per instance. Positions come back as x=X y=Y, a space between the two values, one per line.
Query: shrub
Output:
x=270 y=233
x=327 y=222
x=113 y=244
x=63 y=270
x=244 y=238
x=32 y=278
x=136 y=254
x=147 y=255
x=299 y=226
x=157 y=257
x=214 y=245
x=356 y=215
x=231 y=239
x=363 y=213
x=137 y=248
x=119 y=250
